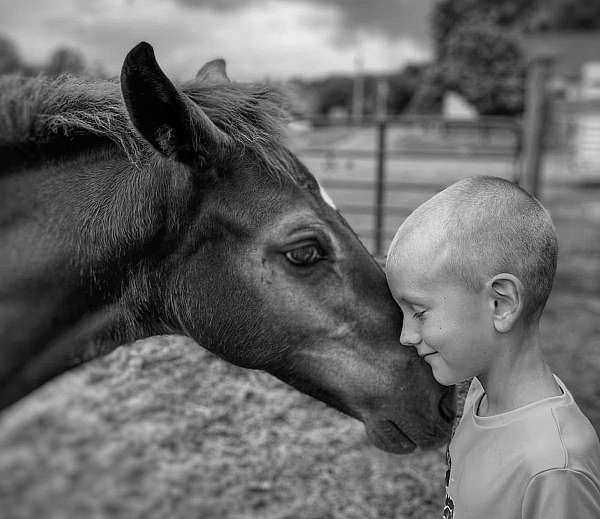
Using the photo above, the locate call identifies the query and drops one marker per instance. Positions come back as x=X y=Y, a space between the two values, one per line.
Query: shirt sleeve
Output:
x=561 y=494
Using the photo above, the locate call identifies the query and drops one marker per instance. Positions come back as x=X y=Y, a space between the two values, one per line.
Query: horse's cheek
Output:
x=266 y=275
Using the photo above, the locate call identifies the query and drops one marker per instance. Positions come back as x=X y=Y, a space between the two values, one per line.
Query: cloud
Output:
x=258 y=38
x=219 y=5
x=395 y=19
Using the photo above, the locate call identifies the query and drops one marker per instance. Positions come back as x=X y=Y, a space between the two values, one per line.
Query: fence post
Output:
x=381 y=117
x=380 y=186
x=534 y=122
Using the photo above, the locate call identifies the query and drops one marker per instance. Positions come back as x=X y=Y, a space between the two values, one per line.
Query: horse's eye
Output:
x=305 y=255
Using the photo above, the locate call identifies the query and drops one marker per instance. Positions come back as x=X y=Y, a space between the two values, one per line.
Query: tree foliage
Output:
x=65 y=60
x=332 y=92
x=487 y=67
x=530 y=16
x=62 y=60
x=10 y=61
x=337 y=91
x=403 y=86
x=564 y=16
x=429 y=96
x=450 y=15
x=476 y=49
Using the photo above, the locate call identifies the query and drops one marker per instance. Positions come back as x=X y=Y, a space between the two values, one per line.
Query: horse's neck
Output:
x=70 y=236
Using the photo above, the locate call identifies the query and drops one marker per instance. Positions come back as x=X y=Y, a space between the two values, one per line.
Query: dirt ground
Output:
x=164 y=429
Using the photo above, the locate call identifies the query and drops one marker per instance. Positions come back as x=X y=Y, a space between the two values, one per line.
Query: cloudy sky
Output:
x=258 y=38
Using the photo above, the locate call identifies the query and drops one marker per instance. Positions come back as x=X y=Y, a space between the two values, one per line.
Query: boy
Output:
x=472 y=269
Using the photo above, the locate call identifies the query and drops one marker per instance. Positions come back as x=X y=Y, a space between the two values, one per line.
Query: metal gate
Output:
x=381 y=169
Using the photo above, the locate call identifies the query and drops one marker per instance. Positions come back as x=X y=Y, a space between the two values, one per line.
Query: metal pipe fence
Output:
x=455 y=140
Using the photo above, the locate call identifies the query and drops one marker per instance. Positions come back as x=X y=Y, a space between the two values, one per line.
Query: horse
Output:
x=153 y=209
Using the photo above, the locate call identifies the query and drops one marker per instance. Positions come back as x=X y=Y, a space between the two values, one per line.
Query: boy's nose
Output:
x=409 y=337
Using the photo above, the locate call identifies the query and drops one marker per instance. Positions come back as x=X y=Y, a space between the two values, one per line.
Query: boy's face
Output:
x=450 y=326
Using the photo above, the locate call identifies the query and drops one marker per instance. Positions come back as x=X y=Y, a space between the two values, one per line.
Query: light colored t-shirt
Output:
x=538 y=461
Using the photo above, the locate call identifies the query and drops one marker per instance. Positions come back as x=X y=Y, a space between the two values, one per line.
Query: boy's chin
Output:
x=446 y=377
x=446 y=382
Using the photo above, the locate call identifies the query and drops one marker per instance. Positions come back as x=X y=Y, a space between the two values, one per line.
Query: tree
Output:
x=448 y=15
x=403 y=86
x=566 y=15
x=531 y=16
x=10 y=61
x=65 y=60
x=429 y=95
x=487 y=67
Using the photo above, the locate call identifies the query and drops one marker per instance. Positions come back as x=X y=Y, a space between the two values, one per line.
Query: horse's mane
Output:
x=40 y=111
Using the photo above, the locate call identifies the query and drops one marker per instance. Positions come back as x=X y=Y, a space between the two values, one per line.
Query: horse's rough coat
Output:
x=179 y=210
x=49 y=112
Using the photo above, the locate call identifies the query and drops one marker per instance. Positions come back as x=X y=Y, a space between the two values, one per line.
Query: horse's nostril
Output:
x=447 y=405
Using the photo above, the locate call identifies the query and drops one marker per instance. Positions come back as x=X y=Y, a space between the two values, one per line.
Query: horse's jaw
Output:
x=387 y=436
x=396 y=416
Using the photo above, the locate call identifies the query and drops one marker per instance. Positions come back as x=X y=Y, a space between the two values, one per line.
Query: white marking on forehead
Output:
x=326 y=197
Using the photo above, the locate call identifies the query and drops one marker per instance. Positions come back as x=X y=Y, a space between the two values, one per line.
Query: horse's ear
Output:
x=213 y=72
x=165 y=117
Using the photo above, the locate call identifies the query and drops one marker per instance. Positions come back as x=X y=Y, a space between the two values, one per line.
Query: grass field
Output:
x=164 y=429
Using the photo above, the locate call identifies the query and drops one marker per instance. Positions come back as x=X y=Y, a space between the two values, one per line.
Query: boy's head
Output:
x=474 y=261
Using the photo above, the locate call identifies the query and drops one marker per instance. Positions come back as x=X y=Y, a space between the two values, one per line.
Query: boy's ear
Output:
x=505 y=293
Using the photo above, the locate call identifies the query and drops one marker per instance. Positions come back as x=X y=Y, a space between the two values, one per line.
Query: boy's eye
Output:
x=419 y=315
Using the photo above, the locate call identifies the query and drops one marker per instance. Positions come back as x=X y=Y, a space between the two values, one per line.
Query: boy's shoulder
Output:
x=549 y=434
x=543 y=454
x=579 y=440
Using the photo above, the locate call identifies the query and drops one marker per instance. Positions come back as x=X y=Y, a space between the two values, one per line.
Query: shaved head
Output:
x=480 y=227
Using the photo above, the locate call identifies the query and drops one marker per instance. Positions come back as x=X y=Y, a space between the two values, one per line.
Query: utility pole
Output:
x=358 y=90
x=535 y=120
x=381 y=99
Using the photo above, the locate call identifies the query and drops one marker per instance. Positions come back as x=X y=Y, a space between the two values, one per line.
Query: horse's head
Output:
x=265 y=272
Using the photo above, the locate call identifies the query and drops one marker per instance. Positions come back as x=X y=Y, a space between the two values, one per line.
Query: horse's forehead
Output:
x=325 y=196
x=310 y=182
